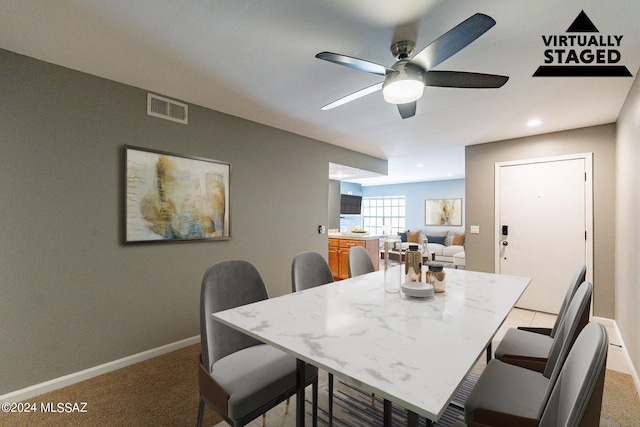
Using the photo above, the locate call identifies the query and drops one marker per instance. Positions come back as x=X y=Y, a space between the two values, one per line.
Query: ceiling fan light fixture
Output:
x=404 y=86
x=403 y=91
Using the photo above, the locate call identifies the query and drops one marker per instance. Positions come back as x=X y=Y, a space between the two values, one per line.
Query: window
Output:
x=387 y=212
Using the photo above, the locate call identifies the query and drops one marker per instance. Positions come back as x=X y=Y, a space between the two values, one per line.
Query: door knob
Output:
x=505 y=243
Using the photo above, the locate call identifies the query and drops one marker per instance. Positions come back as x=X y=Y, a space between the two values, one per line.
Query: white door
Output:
x=542 y=216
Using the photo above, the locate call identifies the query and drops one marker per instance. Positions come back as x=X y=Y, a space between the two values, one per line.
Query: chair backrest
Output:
x=227 y=284
x=576 y=317
x=578 y=278
x=359 y=261
x=308 y=270
x=566 y=336
x=576 y=399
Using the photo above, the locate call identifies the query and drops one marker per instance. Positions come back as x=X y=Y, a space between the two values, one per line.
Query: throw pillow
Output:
x=413 y=236
x=436 y=239
x=403 y=236
x=458 y=239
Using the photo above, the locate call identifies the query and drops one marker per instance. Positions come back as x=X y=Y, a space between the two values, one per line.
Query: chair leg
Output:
x=286 y=408
x=264 y=420
x=200 y=412
x=373 y=400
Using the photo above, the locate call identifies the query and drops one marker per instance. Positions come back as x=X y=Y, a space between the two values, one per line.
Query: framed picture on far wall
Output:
x=443 y=212
x=174 y=198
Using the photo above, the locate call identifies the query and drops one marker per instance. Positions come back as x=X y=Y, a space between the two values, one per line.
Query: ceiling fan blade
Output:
x=462 y=79
x=358 y=64
x=355 y=95
x=453 y=41
x=407 y=110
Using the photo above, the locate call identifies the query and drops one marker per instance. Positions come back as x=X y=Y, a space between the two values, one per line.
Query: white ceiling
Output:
x=255 y=59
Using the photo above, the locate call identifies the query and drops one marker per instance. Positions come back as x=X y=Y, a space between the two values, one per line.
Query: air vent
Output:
x=164 y=108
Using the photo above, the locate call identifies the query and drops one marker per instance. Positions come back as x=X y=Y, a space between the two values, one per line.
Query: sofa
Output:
x=446 y=244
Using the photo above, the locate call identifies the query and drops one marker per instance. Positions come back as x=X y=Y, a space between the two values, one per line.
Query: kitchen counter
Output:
x=339 y=245
x=357 y=236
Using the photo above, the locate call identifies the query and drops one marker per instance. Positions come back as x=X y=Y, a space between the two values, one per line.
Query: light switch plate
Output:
x=474 y=229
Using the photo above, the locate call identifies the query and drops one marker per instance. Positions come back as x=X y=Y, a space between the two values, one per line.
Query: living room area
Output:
x=405 y=214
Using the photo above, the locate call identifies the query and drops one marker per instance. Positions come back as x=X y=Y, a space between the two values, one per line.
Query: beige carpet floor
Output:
x=163 y=391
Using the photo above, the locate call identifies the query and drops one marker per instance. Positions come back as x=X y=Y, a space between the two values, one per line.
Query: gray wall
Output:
x=73 y=296
x=479 y=178
x=627 y=261
x=334 y=204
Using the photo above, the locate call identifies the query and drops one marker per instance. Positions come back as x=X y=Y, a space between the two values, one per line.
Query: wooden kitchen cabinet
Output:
x=334 y=257
x=339 y=253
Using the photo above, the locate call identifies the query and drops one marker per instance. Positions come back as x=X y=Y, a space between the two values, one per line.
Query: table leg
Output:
x=489 y=352
x=330 y=400
x=386 y=420
x=315 y=404
x=412 y=419
x=300 y=380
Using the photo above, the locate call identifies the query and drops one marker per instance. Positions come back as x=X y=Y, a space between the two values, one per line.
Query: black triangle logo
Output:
x=582 y=24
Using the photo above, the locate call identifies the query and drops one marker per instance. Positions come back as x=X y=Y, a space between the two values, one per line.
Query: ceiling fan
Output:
x=405 y=80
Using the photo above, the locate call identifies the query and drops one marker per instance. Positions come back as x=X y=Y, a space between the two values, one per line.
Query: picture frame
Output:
x=443 y=212
x=170 y=197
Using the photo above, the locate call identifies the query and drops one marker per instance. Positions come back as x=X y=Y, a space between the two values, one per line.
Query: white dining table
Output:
x=413 y=352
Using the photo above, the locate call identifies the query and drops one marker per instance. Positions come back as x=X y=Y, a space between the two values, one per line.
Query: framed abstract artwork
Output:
x=443 y=212
x=174 y=198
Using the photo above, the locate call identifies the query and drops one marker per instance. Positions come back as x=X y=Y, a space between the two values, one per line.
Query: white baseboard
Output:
x=76 y=377
x=632 y=370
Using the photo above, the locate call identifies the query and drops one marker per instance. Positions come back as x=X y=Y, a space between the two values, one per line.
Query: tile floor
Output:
x=520 y=317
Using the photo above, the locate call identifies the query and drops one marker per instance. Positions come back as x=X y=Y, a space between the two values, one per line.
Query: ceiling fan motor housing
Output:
x=402 y=49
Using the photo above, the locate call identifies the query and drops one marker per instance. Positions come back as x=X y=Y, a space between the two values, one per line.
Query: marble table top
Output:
x=412 y=351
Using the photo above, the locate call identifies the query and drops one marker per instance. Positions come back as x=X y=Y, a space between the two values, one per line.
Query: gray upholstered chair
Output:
x=576 y=397
x=531 y=350
x=535 y=343
x=359 y=261
x=238 y=376
x=507 y=388
x=308 y=270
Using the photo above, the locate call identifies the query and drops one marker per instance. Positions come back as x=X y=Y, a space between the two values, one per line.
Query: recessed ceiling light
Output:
x=534 y=122
x=420 y=165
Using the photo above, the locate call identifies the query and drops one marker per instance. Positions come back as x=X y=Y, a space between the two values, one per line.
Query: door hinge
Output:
x=585 y=235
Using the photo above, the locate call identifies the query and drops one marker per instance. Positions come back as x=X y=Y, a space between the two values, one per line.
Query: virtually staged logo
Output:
x=581 y=53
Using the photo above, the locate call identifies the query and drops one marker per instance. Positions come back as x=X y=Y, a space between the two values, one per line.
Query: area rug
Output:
x=352 y=407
